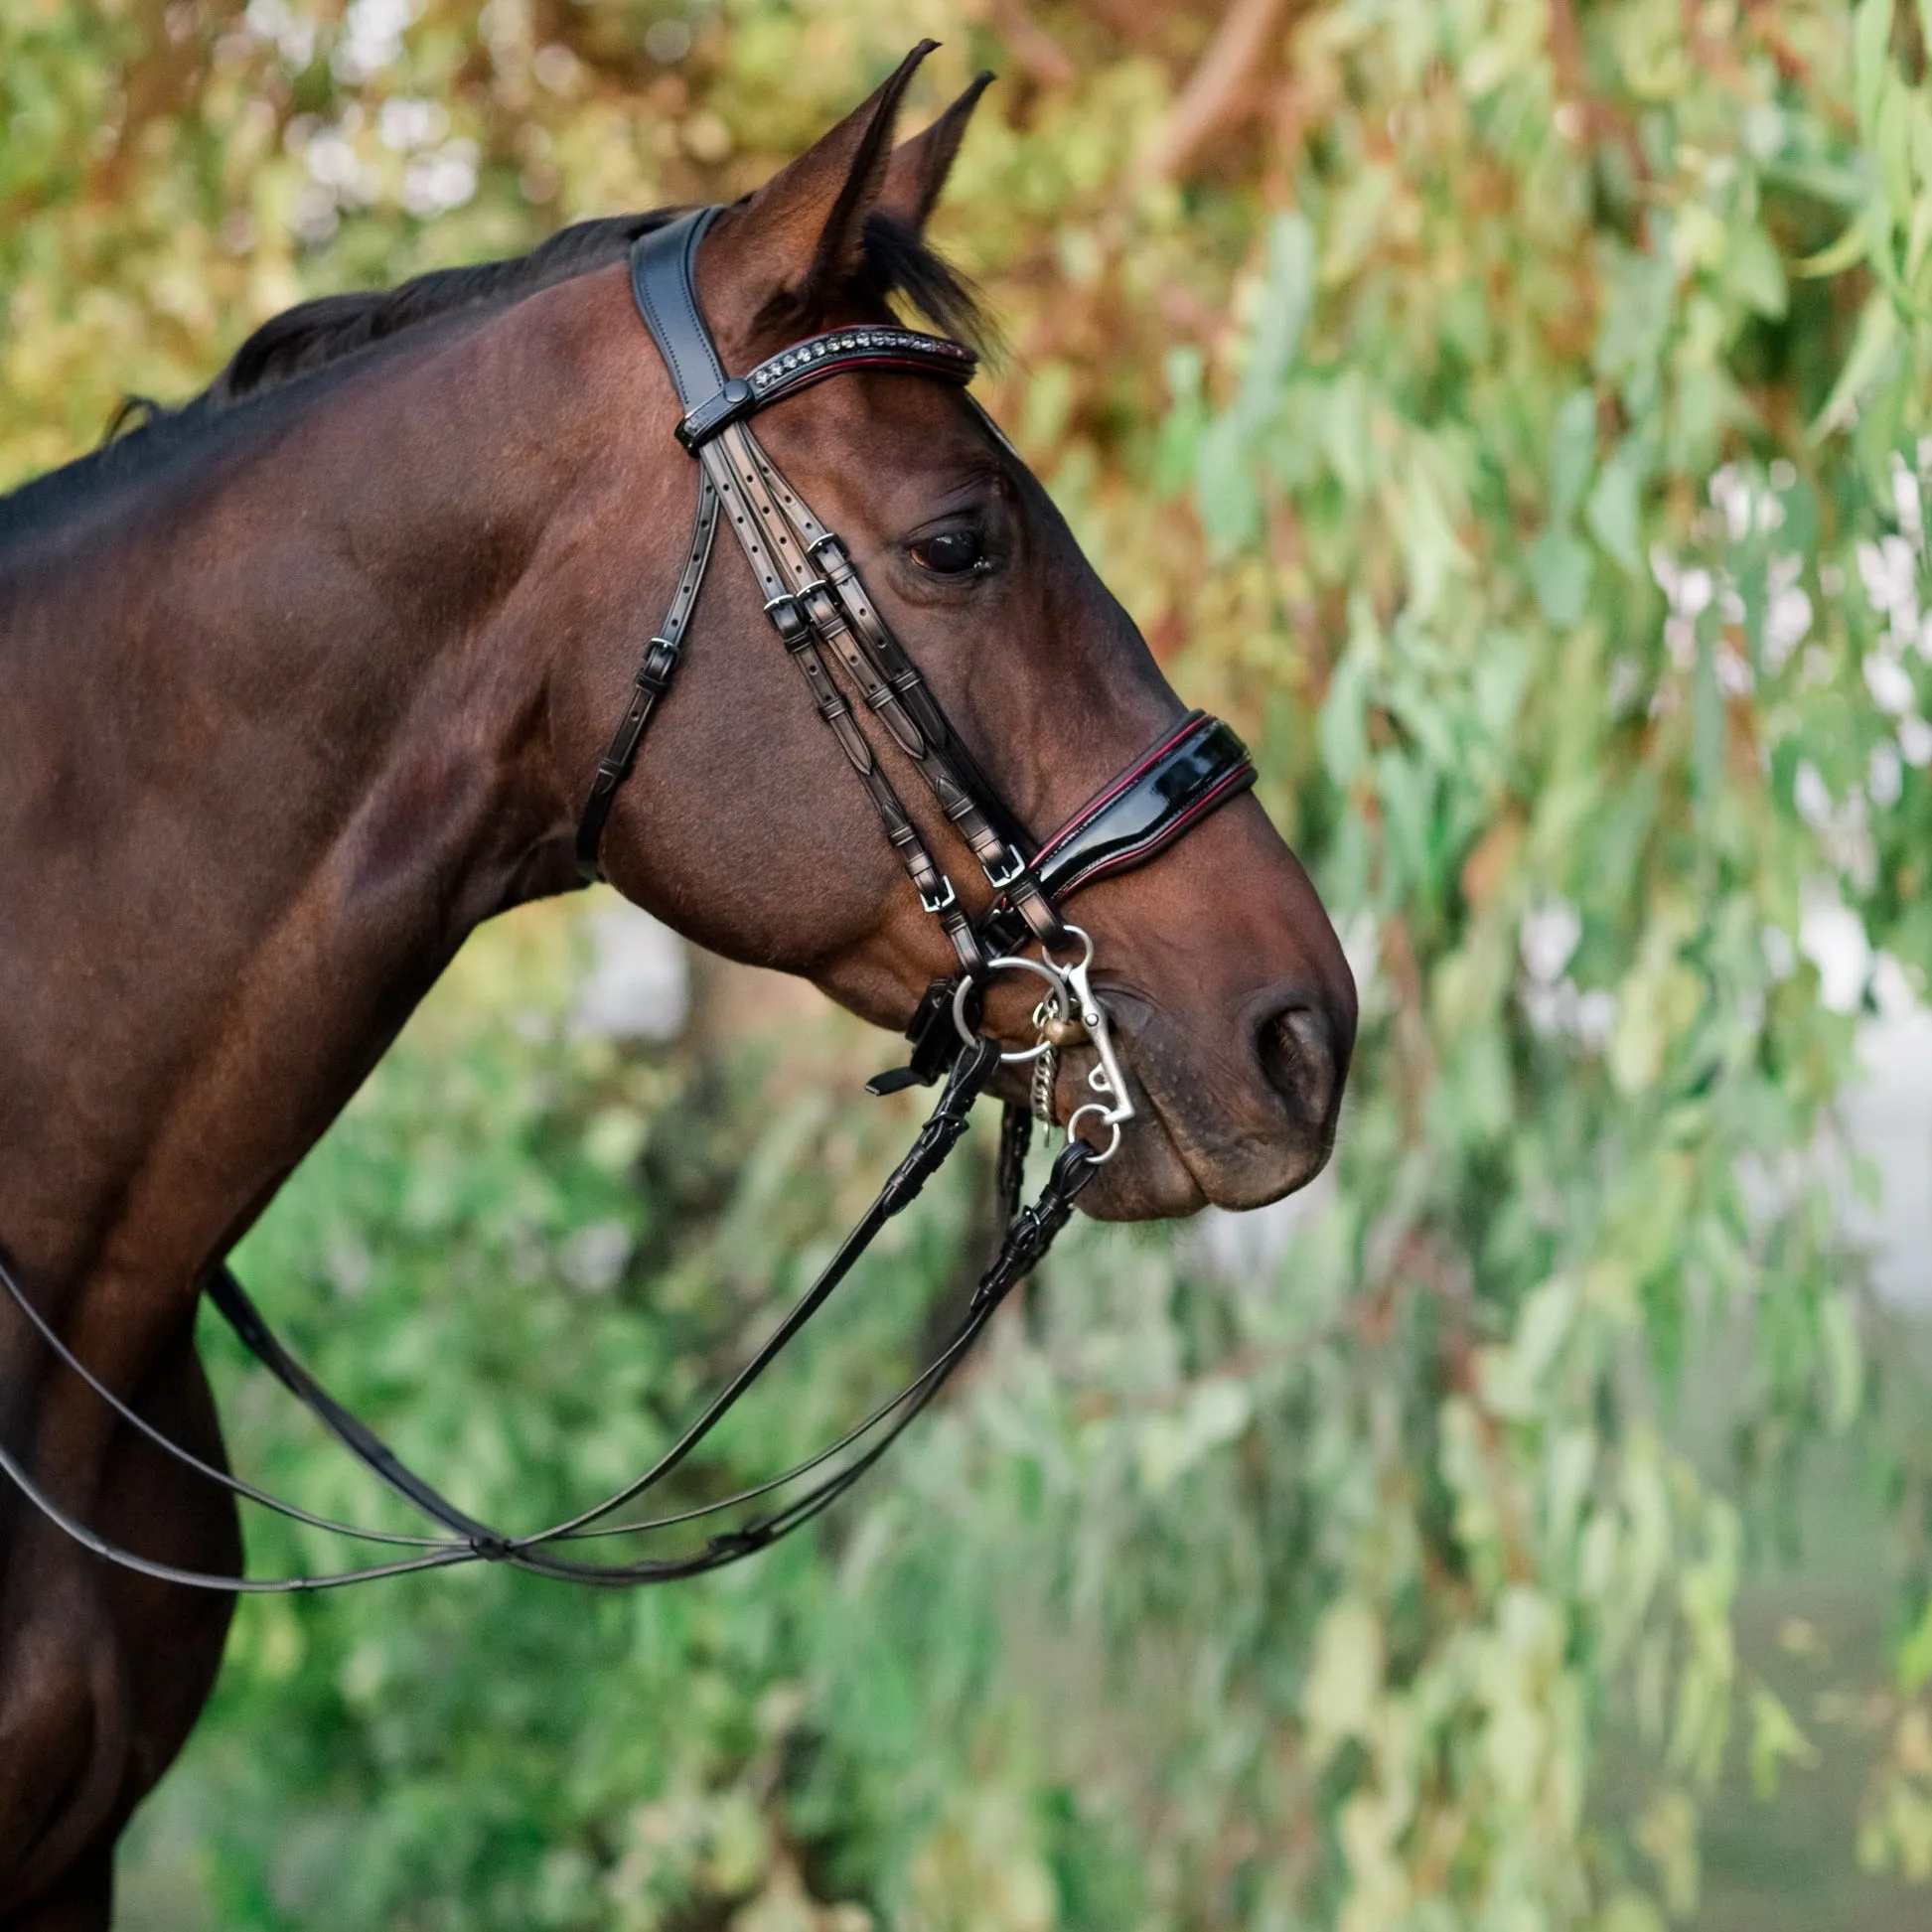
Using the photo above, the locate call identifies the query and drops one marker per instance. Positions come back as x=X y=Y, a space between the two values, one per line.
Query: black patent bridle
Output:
x=825 y=618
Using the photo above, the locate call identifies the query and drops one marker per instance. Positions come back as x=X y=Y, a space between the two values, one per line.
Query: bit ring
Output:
x=1009 y=961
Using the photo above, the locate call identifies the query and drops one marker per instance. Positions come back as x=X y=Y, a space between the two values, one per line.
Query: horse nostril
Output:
x=1297 y=1055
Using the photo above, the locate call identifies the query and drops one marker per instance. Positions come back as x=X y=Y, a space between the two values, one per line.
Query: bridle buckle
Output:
x=1011 y=868
x=653 y=674
x=789 y=620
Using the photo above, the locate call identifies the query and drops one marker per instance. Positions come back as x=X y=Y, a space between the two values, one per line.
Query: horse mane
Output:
x=299 y=345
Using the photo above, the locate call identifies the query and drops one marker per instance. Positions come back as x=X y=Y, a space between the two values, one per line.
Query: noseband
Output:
x=825 y=618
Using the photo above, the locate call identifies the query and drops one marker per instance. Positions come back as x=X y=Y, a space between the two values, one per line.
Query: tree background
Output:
x=1511 y=414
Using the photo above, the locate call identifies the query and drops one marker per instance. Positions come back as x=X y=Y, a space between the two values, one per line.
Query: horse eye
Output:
x=951 y=553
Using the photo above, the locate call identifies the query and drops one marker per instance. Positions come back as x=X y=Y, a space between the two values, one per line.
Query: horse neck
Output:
x=258 y=778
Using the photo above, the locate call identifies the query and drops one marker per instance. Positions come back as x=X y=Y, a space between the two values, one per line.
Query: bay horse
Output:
x=303 y=680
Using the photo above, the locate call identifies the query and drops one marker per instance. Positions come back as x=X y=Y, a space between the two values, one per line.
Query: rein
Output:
x=824 y=617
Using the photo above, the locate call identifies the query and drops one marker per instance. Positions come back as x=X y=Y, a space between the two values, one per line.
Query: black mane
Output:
x=318 y=335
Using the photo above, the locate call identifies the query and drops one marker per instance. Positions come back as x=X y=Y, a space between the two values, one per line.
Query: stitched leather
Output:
x=652 y=682
x=663 y=281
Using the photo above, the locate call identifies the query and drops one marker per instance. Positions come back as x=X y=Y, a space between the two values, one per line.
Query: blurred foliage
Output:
x=1512 y=415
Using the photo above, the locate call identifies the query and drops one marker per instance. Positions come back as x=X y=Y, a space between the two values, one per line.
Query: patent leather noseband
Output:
x=848 y=656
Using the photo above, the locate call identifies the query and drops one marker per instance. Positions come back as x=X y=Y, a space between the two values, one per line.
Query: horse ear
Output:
x=800 y=238
x=917 y=171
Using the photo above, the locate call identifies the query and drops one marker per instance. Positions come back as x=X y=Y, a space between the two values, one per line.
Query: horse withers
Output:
x=302 y=681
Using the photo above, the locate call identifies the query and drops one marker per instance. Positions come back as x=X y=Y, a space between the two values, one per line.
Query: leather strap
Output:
x=1028 y=1233
x=653 y=679
x=890 y=683
x=787 y=580
x=789 y=548
x=1167 y=790
x=663 y=282
x=870 y=347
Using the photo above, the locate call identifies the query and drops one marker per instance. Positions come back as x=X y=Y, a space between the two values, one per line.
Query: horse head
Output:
x=742 y=825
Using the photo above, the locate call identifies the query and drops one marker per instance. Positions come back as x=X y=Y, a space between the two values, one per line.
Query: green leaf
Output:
x=1560 y=573
x=1573 y=449
x=1846 y=252
x=1837 y=1325
x=1892 y=149
x=1225 y=490
x=1755 y=273
x=1776 y=1741
x=1871 y=346
x=1871 y=67
x=1344 y=1680
x=1914 y=1663
x=1182 y=427
x=1343 y=729
x=1613 y=514
x=1290 y=290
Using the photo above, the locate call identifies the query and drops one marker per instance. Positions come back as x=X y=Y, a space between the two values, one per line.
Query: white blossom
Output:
x=1731 y=495
x=1890 y=581
x=1915 y=741
x=1626 y=681
x=1787 y=623
x=1832 y=938
x=405 y=124
x=433 y=184
x=1811 y=795
x=1894 y=990
x=1561 y=1012
x=1548 y=936
x=592 y=1258
x=1596 y=1020
x=1889 y=685
x=372 y=39
x=1906 y=502
x=1885 y=779
x=1681 y=640
x=331 y=160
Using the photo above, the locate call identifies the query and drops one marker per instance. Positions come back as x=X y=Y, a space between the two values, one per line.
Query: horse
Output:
x=304 y=680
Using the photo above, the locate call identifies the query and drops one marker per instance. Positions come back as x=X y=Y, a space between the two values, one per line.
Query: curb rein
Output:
x=820 y=611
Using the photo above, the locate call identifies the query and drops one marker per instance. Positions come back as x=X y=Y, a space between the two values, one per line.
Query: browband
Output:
x=712 y=400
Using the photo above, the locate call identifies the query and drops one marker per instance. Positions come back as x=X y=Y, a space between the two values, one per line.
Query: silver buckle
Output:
x=947 y=900
x=999 y=880
x=788 y=615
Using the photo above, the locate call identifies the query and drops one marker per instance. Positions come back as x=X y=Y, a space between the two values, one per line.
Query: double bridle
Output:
x=823 y=618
